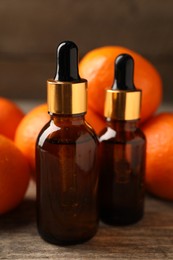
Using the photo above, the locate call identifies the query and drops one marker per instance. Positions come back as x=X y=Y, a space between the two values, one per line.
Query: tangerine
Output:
x=14 y=175
x=97 y=66
x=95 y=120
x=159 y=163
x=28 y=130
x=10 y=117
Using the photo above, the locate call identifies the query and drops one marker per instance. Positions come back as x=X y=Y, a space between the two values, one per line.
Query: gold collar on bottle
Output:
x=67 y=97
x=122 y=104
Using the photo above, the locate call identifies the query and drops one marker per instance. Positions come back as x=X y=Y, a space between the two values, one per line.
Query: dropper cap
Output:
x=67 y=92
x=123 y=100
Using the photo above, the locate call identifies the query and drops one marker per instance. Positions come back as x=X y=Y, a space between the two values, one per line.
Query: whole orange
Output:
x=159 y=165
x=97 y=66
x=14 y=175
x=10 y=116
x=28 y=130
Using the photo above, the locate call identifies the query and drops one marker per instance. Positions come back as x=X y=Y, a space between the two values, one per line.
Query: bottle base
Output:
x=120 y=220
x=68 y=242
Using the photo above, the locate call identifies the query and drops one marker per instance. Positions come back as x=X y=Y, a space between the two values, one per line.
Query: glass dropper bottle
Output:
x=122 y=150
x=66 y=158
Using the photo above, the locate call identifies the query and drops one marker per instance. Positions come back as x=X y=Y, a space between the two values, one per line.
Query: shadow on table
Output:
x=23 y=215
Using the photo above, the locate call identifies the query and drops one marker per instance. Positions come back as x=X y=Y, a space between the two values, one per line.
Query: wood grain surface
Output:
x=31 y=30
x=151 y=238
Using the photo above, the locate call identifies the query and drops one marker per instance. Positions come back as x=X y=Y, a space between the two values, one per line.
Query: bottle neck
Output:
x=73 y=119
x=123 y=125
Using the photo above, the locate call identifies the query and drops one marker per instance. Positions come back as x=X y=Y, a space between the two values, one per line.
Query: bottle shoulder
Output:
x=66 y=134
x=112 y=135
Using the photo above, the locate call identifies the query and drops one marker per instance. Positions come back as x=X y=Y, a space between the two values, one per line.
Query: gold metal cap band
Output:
x=67 y=97
x=122 y=105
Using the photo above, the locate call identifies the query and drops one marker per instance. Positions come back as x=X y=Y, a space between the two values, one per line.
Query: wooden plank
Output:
x=151 y=238
x=35 y=27
x=31 y=30
x=25 y=79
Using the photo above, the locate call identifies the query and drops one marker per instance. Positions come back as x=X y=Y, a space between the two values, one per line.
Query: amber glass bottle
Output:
x=66 y=159
x=122 y=150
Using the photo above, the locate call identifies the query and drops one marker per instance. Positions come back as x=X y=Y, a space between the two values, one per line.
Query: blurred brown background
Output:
x=31 y=29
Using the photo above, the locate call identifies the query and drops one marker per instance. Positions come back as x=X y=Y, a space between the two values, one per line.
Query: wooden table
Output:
x=151 y=238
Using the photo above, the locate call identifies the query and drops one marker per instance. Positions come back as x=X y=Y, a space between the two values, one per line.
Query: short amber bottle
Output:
x=122 y=150
x=66 y=159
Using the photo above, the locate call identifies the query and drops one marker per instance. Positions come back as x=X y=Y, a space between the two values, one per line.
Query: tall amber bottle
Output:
x=66 y=158
x=122 y=150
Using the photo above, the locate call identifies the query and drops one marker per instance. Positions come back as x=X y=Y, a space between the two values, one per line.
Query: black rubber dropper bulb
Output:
x=124 y=73
x=67 y=62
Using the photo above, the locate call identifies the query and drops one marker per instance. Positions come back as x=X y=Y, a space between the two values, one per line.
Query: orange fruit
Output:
x=14 y=175
x=10 y=116
x=95 y=120
x=159 y=164
x=97 y=66
x=28 y=130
